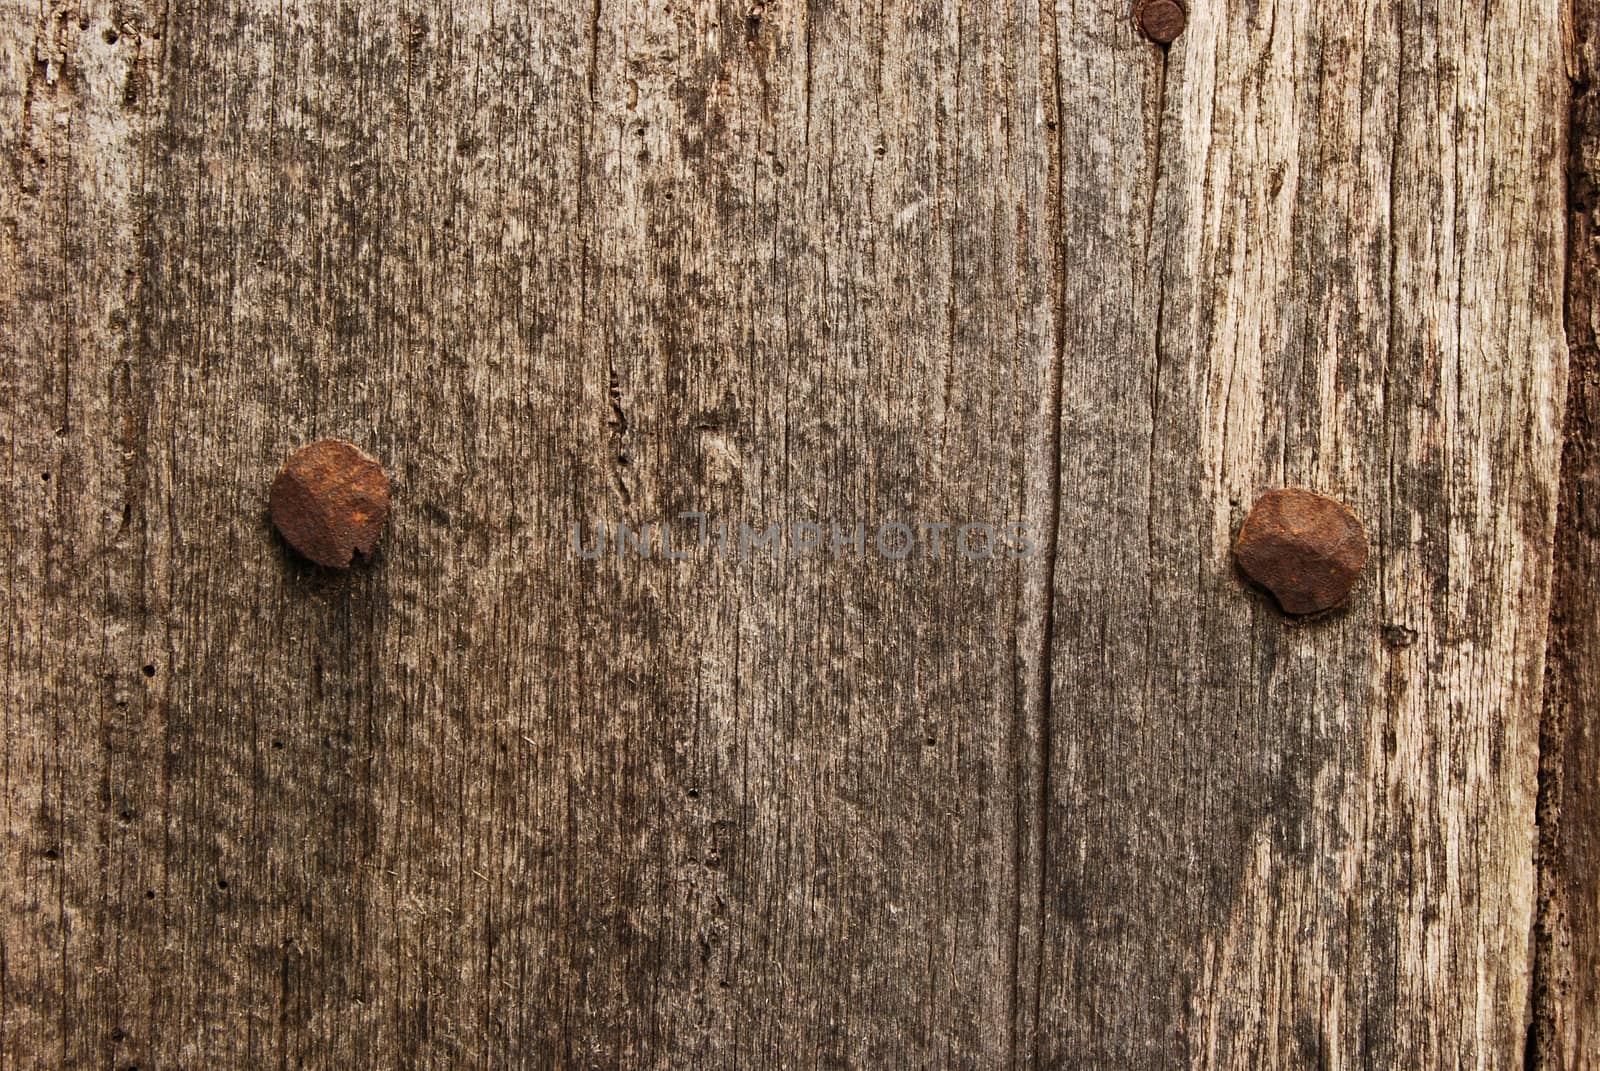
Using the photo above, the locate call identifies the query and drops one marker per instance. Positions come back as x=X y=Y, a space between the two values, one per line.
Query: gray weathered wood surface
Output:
x=481 y=803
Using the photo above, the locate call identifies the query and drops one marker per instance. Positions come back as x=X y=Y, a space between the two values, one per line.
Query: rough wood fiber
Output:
x=1567 y=968
x=1326 y=250
x=482 y=803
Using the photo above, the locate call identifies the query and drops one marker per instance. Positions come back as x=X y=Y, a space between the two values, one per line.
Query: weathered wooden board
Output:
x=1337 y=263
x=483 y=802
x=1567 y=953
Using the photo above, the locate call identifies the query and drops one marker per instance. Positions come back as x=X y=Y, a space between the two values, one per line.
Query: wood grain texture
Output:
x=1274 y=846
x=484 y=803
x=1567 y=934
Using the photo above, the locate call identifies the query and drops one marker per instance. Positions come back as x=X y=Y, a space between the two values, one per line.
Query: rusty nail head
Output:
x=1162 y=20
x=1305 y=548
x=329 y=501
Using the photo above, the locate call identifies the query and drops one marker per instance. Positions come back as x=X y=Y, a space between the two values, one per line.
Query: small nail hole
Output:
x=149 y=670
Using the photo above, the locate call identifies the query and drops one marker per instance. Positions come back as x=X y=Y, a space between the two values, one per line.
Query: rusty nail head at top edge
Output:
x=1162 y=20
x=330 y=501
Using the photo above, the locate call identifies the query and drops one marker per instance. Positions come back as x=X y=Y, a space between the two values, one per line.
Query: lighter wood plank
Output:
x=1324 y=249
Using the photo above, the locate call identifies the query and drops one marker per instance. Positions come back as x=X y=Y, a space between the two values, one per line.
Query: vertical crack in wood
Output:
x=1156 y=347
x=1034 y=744
x=1564 y=1027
